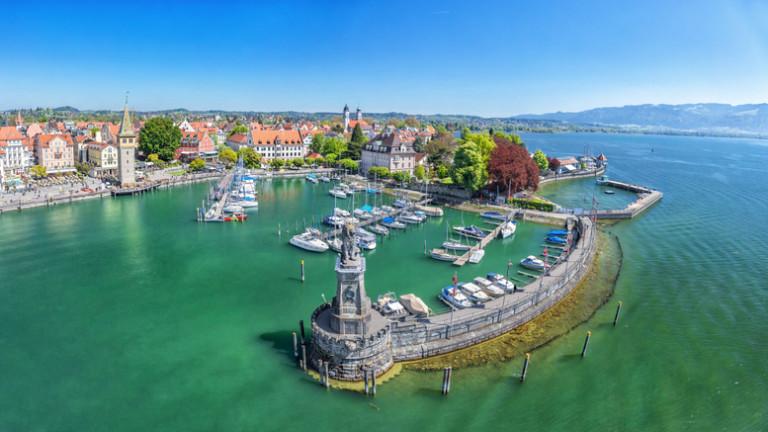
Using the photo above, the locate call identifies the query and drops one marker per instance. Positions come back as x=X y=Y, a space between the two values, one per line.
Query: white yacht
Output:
x=309 y=240
x=507 y=229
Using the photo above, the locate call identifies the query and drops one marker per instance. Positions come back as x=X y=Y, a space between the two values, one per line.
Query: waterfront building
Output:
x=349 y=335
x=55 y=152
x=277 y=144
x=387 y=150
x=16 y=157
x=196 y=145
x=126 y=145
x=236 y=141
x=103 y=157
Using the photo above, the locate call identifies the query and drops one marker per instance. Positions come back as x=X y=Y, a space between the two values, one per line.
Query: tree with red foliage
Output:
x=511 y=168
x=554 y=164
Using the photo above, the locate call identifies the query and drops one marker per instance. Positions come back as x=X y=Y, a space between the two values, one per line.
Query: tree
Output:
x=82 y=168
x=159 y=135
x=196 y=165
x=482 y=142
x=511 y=168
x=469 y=167
x=227 y=156
x=442 y=171
x=277 y=163
x=239 y=128
x=317 y=143
x=554 y=163
x=357 y=135
x=378 y=172
x=440 y=150
x=251 y=159
x=348 y=164
x=419 y=172
x=412 y=122
x=334 y=145
x=541 y=160
x=297 y=162
x=330 y=158
x=514 y=139
x=418 y=144
x=401 y=176
x=38 y=171
x=155 y=160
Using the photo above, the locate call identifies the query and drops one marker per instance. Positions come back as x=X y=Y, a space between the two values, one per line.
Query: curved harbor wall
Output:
x=570 y=176
x=414 y=338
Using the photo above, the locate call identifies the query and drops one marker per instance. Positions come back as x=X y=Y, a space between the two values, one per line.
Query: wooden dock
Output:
x=481 y=245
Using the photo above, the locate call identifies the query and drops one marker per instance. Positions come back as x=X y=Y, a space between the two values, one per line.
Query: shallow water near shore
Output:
x=125 y=314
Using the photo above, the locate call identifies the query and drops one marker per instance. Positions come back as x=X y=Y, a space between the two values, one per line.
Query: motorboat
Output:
x=420 y=214
x=430 y=210
x=233 y=208
x=559 y=233
x=309 y=240
x=414 y=305
x=533 y=263
x=390 y=222
x=454 y=245
x=508 y=229
x=341 y=212
x=609 y=192
x=474 y=292
x=400 y=203
x=493 y=215
x=362 y=233
x=603 y=179
x=366 y=244
x=334 y=221
x=471 y=231
x=235 y=217
x=443 y=255
x=337 y=193
x=376 y=211
x=501 y=282
x=556 y=240
x=409 y=218
x=476 y=256
x=362 y=214
x=372 y=190
x=312 y=178
x=454 y=298
x=325 y=179
x=387 y=209
x=488 y=287
x=379 y=229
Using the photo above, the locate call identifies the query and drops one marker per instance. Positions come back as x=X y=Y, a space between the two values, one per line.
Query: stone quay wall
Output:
x=570 y=176
x=414 y=338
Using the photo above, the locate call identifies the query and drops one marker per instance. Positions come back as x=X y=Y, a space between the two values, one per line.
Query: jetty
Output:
x=482 y=244
x=217 y=200
x=646 y=197
x=135 y=190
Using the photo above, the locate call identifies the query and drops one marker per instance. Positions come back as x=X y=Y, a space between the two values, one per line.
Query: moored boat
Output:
x=430 y=210
x=337 y=193
x=454 y=245
x=309 y=240
x=409 y=218
x=471 y=231
x=379 y=229
x=366 y=244
x=493 y=215
x=311 y=178
x=443 y=255
x=501 y=282
x=235 y=217
x=476 y=256
x=454 y=298
x=508 y=228
x=488 y=286
x=556 y=240
x=414 y=305
x=533 y=263
x=390 y=222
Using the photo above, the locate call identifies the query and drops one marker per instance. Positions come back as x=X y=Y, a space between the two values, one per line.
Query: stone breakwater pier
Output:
x=351 y=339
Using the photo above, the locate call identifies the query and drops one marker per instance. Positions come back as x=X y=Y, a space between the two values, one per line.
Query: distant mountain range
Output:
x=701 y=118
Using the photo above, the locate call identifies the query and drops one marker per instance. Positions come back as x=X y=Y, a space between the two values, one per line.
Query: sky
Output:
x=488 y=58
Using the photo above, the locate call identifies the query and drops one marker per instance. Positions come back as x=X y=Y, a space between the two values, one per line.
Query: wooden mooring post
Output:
x=301 y=328
x=586 y=344
x=373 y=382
x=302 y=270
x=365 y=381
x=325 y=375
x=525 y=367
x=447 y=375
x=303 y=356
x=295 y=345
x=618 y=312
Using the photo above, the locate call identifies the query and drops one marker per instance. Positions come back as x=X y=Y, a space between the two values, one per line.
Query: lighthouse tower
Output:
x=346 y=118
x=126 y=150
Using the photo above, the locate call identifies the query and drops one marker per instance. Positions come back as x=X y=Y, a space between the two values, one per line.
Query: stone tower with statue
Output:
x=126 y=150
x=348 y=334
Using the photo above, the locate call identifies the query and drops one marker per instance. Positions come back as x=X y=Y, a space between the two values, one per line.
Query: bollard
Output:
x=586 y=344
x=525 y=367
x=301 y=326
x=447 y=372
x=325 y=372
x=304 y=357
x=365 y=380
x=450 y=375
x=616 y=317
x=425 y=246
x=302 y=270
x=295 y=345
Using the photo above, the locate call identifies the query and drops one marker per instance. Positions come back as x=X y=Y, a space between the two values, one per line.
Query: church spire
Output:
x=126 y=126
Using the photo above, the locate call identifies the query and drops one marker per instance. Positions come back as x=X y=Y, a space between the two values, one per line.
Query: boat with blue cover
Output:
x=556 y=240
x=493 y=215
x=471 y=231
x=454 y=298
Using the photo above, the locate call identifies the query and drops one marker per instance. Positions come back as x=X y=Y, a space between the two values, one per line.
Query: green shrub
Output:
x=532 y=203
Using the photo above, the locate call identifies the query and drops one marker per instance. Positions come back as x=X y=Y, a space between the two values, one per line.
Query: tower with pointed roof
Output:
x=126 y=145
x=346 y=118
x=359 y=115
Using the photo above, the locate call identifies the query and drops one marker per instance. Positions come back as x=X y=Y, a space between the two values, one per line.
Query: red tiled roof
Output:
x=44 y=140
x=8 y=133
x=238 y=138
x=269 y=137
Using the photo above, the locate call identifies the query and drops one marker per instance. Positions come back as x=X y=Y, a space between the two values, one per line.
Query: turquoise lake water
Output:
x=125 y=314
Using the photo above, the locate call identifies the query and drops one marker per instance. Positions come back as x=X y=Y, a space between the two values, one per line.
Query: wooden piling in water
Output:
x=586 y=344
x=302 y=270
x=447 y=374
x=301 y=327
x=325 y=375
x=525 y=367
x=295 y=345
x=304 y=357
x=373 y=382
x=365 y=381
x=616 y=317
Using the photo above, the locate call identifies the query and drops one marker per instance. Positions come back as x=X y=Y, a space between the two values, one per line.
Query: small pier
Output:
x=136 y=190
x=217 y=199
x=334 y=232
x=482 y=244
